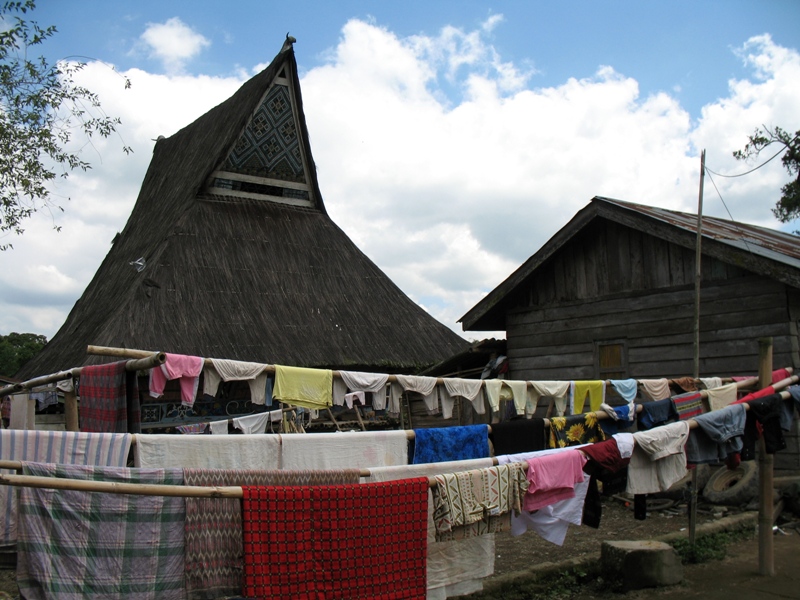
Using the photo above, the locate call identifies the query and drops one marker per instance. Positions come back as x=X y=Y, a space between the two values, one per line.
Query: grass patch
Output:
x=713 y=546
x=555 y=586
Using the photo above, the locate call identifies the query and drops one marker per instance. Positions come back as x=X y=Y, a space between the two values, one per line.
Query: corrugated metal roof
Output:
x=775 y=245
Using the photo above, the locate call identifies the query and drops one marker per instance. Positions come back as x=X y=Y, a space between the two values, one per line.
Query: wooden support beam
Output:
x=766 y=557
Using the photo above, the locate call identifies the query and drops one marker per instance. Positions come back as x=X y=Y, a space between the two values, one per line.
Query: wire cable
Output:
x=726 y=206
x=751 y=170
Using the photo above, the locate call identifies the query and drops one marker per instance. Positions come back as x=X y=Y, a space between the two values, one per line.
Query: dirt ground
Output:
x=519 y=553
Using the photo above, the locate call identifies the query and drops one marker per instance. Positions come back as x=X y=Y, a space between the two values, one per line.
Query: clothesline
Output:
x=147 y=360
x=204 y=491
x=270 y=369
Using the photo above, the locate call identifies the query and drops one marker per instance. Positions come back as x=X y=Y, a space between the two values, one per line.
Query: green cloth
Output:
x=75 y=544
x=311 y=388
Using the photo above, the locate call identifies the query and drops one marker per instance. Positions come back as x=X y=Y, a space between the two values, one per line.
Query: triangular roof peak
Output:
x=270 y=159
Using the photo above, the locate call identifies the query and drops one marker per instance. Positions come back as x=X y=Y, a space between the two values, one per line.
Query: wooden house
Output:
x=612 y=295
x=229 y=253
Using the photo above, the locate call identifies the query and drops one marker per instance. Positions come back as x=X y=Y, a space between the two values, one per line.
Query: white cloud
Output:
x=441 y=161
x=173 y=43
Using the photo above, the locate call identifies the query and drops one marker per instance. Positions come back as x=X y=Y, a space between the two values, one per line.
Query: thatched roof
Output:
x=775 y=254
x=241 y=258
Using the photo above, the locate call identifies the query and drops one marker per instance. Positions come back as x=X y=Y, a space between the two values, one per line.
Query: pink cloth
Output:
x=552 y=478
x=177 y=366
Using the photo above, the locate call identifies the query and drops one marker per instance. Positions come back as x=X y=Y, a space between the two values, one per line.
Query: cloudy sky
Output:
x=452 y=138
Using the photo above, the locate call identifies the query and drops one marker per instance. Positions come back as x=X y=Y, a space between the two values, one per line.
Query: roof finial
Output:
x=288 y=42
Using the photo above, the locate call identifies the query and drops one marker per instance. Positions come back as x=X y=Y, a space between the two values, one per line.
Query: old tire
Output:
x=679 y=490
x=733 y=487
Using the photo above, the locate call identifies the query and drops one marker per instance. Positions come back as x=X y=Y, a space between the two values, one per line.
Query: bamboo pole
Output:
x=766 y=558
x=150 y=360
x=132 y=353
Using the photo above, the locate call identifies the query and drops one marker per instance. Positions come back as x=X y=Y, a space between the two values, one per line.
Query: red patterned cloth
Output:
x=109 y=399
x=339 y=541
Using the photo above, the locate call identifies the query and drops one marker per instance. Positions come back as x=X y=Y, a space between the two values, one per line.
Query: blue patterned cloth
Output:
x=451 y=443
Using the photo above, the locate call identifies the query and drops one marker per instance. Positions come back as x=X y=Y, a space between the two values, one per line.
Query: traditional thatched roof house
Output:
x=612 y=295
x=229 y=253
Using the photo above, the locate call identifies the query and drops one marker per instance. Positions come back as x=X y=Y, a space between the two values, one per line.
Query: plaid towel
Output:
x=89 y=545
x=688 y=405
x=214 y=525
x=109 y=399
x=320 y=542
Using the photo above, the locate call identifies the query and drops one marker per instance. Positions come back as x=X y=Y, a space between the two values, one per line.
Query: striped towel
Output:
x=688 y=405
x=68 y=447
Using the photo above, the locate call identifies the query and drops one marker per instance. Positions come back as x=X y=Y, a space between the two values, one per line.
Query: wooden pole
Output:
x=766 y=558
x=71 y=422
x=698 y=272
x=150 y=360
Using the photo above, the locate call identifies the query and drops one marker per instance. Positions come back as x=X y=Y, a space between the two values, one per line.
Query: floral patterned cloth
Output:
x=575 y=430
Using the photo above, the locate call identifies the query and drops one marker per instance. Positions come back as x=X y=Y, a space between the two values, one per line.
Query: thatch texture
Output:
x=240 y=278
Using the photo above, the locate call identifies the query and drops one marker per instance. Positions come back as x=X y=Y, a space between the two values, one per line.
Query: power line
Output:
x=751 y=170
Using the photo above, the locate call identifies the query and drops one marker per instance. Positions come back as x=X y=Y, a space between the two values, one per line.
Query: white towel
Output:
x=375 y=383
x=469 y=389
x=422 y=385
x=252 y=423
x=346 y=450
x=722 y=396
x=209 y=451
x=558 y=390
x=711 y=382
x=236 y=370
x=659 y=458
x=520 y=391
x=492 y=387
x=657 y=389
x=350 y=398
x=219 y=427
x=364 y=382
x=339 y=391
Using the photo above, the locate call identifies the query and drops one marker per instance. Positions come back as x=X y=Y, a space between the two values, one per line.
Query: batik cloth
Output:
x=75 y=544
x=472 y=503
x=441 y=444
x=65 y=447
x=213 y=528
x=689 y=405
x=193 y=429
x=350 y=542
x=575 y=430
x=105 y=401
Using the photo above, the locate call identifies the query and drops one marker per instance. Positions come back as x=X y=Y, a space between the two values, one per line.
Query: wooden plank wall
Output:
x=558 y=342
x=615 y=283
